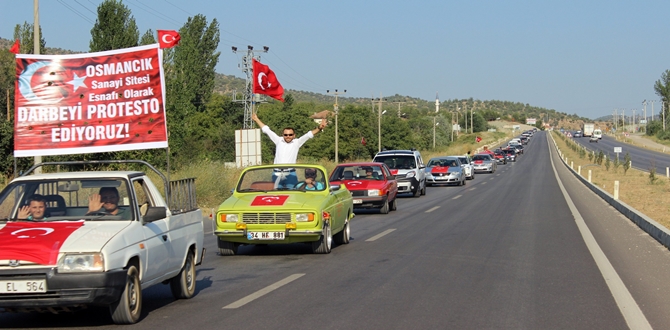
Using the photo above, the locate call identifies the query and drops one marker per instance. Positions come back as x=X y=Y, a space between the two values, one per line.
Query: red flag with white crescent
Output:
x=16 y=48
x=266 y=83
x=168 y=38
x=269 y=200
x=440 y=169
x=38 y=242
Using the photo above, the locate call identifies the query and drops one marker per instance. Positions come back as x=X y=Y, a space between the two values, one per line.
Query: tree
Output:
x=148 y=38
x=26 y=36
x=115 y=27
x=662 y=89
x=189 y=76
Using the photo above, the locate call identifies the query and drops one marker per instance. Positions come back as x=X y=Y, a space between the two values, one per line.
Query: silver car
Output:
x=445 y=170
x=466 y=164
x=484 y=163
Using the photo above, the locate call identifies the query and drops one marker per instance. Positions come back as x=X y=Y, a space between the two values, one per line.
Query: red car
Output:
x=371 y=184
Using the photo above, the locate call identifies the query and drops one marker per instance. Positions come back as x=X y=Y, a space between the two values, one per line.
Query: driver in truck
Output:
x=107 y=202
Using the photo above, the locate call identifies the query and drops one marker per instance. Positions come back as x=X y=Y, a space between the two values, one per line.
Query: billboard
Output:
x=85 y=103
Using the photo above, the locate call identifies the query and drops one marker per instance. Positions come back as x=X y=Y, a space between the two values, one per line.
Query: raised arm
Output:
x=323 y=124
x=258 y=121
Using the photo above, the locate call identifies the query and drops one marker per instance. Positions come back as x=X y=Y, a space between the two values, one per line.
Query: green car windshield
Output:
x=282 y=179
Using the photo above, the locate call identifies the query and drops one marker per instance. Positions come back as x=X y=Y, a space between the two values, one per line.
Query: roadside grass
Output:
x=636 y=188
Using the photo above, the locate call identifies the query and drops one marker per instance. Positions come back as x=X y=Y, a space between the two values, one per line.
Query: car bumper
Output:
x=443 y=179
x=64 y=290
x=410 y=185
x=483 y=168
x=369 y=202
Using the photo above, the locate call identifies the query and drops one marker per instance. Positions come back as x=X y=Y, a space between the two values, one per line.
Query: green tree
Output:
x=148 y=38
x=26 y=36
x=662 y=89
x=189 y=76
x=114 y=28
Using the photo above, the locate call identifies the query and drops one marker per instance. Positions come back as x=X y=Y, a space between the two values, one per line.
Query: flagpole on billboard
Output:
x=36 y=47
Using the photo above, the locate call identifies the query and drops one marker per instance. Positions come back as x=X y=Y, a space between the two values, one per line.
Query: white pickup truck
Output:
x=76 y=256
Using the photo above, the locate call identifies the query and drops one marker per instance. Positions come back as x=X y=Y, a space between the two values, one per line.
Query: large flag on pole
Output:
x=16 y=48
x=168 y=38
x=265 y=82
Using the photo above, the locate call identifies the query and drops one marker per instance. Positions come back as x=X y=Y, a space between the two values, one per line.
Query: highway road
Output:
x=642 y=159
x=527 y=247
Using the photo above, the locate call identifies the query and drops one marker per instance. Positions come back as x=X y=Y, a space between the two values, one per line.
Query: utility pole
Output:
x=36 y=47
x=652 y=110
x=379 y=123
x=247 y=68
x=634 y=128
x=434 y=124
x=663 y=111
x=465 y=109
x=399 y=103
x=336 y=110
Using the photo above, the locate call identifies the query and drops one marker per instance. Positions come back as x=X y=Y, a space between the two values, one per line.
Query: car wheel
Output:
x=394 y=203
x=429 y=184
x=423 y=190
x=417 y=192
x=324 y=244
x=183 y=285
x=343 y=237
x=463 y=182
x=385 y=208
x=128 y=308
x=227 y=248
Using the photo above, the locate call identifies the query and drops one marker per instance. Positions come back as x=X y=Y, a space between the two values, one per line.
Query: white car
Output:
x=466 y=163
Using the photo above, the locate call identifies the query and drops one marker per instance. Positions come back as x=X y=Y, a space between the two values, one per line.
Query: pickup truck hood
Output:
x=93 y=235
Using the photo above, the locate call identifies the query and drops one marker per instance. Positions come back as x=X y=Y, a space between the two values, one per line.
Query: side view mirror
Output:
x=334 y=187
x=155 y=213
x=391 y=177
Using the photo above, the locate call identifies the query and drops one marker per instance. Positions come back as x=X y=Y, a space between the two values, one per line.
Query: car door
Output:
x=156 y=236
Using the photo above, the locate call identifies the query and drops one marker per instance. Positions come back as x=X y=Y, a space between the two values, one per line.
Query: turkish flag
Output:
x=363 y=141
x=16 y=47
x=440 y=169
x=168 y=38
x=38 y=242
x=269 y=200
x=478 y=139
x=266 y=83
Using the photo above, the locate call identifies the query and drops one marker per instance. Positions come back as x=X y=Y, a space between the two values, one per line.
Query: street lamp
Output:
x=434 y=125
x=379 y=129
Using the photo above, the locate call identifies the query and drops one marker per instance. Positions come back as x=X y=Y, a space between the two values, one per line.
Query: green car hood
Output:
x=273 y=201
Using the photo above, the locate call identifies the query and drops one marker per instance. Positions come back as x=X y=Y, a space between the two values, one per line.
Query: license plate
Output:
x=265 y=235
x=23 y=286
x=358 y=201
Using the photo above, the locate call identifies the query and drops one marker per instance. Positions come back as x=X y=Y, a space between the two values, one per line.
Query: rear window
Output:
x=481 y=157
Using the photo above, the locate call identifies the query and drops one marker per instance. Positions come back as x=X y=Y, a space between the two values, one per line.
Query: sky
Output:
x=588 y=58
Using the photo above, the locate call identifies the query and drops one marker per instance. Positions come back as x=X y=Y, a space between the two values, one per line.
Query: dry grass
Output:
x=635 y=187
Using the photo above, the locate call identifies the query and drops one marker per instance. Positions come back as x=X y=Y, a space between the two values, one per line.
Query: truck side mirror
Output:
x=155 y=213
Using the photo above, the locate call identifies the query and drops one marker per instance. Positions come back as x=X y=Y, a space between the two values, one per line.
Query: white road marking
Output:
x=457 y=197
x=493 y=178
x=433 y=209
x=382 y=234
x=483 y=182
x=627 y=306
x=473 y=188
x=263 y=292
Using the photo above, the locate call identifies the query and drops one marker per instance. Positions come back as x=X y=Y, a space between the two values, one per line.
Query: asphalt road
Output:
x=527 y=247
x=642 y=159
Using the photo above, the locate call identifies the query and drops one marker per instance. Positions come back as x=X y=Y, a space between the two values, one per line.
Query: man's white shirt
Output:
x=286 y=153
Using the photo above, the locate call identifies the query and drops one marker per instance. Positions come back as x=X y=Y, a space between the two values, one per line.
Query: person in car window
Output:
x=310 y=182
x=107 y=203
x=370 y=174
x=35 y=210
x=286 y=151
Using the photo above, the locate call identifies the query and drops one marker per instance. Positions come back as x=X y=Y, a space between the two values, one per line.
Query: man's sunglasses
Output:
x=288 y=134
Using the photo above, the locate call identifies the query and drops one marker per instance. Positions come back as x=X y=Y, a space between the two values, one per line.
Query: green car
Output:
x=283 y=204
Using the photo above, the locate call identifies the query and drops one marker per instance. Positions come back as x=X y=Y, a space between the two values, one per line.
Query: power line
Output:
x=164 y=18
x=76 y=12
x=92 y=12
x=322 y=87
x=179 y=8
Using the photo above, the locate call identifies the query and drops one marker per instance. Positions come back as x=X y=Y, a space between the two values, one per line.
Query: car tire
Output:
x=344 y=236
x=423 y=190
x=417 y=192
x=325 y=242
x=128 y=309
x=429 y=184
x=385 y=207
x=394 y=203
x=227 y=248
x=183 y=285
x=463 y=182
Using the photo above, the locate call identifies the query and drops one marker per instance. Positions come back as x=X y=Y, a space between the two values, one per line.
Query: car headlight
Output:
x=228 y=217
x=373 y=192
x=304 y=217
x=81 y=262
x=410 y=174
